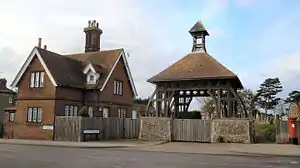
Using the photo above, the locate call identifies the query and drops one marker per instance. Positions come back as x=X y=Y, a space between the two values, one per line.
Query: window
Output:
x=37 y=79
x=105 y=112
x=11 y=117
x=34 y=114
x=10 y=100
x=91 y=78
x=118 y=87
x=91 y=111
x=71 y=110
x=66 y=110
x=122 y=113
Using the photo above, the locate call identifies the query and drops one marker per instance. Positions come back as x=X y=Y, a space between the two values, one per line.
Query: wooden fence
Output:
x=191 y=130
x=72 y=128
x=282 y=132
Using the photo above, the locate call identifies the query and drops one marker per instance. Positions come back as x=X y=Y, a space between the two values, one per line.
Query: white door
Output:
x=105 y=112
x=134 y=114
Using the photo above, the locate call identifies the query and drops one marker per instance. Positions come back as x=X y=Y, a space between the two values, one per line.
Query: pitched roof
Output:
x=67 y=70
x=72 y=69
x=102 y=61
x=194 y=66
x=198 y=27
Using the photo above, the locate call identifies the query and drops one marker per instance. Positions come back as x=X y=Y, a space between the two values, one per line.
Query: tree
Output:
x=246 y=95
x=208 y=105
x=141 y=101
x=268 y=91
x=293 y=97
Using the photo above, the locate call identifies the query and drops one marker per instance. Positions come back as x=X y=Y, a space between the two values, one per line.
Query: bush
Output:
x=265 y=133
x=83 y=112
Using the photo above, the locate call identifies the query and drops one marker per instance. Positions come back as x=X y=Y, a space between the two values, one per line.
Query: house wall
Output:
x=67 y=96
x=25 y=92
x=32 y=97
x=4 y=102
x=115 y=101
x=21 y=129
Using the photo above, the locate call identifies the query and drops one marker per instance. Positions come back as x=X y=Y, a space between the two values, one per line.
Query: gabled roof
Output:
x=194 y=66
x=67 y=70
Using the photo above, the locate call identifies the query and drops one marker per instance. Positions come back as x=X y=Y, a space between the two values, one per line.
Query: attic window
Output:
x=91 y=79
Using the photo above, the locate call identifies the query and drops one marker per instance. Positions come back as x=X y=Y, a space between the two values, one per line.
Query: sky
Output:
x=255 y=39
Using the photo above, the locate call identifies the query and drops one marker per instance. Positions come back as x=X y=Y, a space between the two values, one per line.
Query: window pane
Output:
x=71 y=111
x=29 y=115
x=37 y=79
x=32 y=80
x=115 y=87
x=75 y=110
x=11 y=116
x=66 y=110
x=121 y=88
x=34 y=115
x=42 y=79
x=39 y=117
x=91 y=111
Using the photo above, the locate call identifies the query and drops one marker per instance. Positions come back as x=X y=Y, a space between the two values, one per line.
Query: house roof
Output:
x=67 y=70
x=72 y=70
x=195 y=66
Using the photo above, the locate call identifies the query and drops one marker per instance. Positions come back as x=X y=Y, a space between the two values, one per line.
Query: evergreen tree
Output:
x=268 y=91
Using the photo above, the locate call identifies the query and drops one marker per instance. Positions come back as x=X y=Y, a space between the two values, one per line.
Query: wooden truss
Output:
x=171 y=98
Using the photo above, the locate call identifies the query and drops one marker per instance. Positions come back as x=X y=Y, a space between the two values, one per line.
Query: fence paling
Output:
x=71 y=128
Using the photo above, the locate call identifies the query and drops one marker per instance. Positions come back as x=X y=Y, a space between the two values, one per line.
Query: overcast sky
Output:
x=253 y=38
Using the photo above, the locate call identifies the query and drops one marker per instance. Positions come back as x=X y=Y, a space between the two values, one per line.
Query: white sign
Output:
x=47 y=127
x=91 y=131
x=293 y=125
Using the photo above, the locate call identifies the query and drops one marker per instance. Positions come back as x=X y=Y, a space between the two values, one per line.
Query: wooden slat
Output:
x=71 y=128
x=192 y=130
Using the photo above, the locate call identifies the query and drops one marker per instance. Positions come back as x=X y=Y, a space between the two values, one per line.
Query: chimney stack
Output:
x=40 y=43
x=3 y=83
x=45 y=47
x=92 y=36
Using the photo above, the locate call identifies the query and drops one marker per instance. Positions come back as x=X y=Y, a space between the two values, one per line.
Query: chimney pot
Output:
x=97 y=25
x=45 y=47
x=89 y=23
x=40 y=43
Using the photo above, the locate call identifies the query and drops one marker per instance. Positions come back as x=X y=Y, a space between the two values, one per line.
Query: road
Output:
x=15 y=156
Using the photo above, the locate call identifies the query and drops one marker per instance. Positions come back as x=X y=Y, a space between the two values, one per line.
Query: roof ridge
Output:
x=94 y=52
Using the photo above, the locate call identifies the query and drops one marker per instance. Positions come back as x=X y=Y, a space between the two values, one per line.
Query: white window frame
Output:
x=10 y=100
x=121 y=112
x=67 y=108
x=11 y=116
x=134 y=114
x=118 y=88
x=105 y=112
x=75 y=111
x=34 y=115
x=90 y=111
x=37 y=79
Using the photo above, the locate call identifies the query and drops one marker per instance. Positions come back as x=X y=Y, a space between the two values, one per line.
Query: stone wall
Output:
x=155 y=128
x=231 y=131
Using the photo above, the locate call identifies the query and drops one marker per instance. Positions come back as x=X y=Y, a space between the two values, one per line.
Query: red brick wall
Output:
x=32 y=97
x=124 y=101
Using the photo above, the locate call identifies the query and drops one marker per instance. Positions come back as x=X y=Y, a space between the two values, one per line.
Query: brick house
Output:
x=7 y=99
x=50 y=84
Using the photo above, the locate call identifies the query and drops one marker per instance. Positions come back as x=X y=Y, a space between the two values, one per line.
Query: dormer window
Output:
x=91 y=79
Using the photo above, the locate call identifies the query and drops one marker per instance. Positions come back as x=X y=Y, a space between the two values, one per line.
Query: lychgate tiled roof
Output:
x=194 y=66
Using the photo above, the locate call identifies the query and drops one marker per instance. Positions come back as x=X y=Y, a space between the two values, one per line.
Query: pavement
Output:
x=93 y=144
x=173 y=147
x=25 y=156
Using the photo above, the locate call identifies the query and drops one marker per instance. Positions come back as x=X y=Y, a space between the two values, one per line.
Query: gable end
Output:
x=121 y=56
x=21 y=72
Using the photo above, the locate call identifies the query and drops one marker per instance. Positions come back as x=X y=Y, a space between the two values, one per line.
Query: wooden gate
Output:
x=191 y=130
